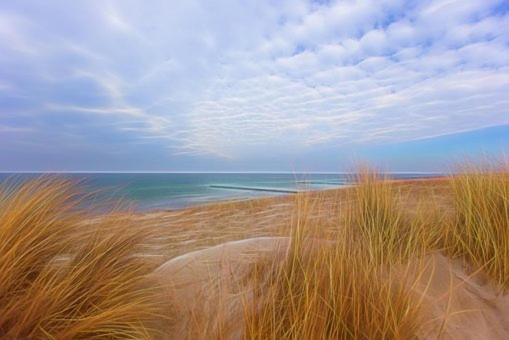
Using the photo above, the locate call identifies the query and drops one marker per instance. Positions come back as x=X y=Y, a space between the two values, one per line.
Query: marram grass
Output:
x=65 y=277
x=332 y=289
x=357 y=284
x=479 y=230
x=385 y=230
x=67 y=274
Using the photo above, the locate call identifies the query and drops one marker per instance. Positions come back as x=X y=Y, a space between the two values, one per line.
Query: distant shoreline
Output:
x=270 y=199
x=174 y=191
x=215 y=172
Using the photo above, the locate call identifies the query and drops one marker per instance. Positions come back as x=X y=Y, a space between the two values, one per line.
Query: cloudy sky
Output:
x=251 y=85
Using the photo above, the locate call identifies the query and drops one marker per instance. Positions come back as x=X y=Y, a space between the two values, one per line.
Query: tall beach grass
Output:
x=377 y=218
x=347 y=286
x=348 y=273
x=64 y=275
x=358 y=284
x=479 y=229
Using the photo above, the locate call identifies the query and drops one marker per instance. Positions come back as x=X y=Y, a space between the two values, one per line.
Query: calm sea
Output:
x=152 y=191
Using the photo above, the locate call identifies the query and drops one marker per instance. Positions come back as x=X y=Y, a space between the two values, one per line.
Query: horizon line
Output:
x=202 y=172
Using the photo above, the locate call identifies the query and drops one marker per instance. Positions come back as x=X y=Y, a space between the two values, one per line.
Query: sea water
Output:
x=153 y=191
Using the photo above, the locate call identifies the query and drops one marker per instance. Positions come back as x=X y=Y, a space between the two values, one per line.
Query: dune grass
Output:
x=65 y=273
x=345 y=287
x=376 y=218
x=357 y=284
x=63 y=276
x=479 y=229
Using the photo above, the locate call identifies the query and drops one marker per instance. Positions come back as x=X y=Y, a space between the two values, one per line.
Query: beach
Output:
x=215 y=247
x=256 y=170
x=196 y=227
x=383 y=258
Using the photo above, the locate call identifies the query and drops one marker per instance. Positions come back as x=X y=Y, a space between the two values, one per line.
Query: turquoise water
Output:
x=151 y=191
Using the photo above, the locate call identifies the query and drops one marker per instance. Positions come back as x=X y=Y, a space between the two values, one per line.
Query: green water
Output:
x=148 y=191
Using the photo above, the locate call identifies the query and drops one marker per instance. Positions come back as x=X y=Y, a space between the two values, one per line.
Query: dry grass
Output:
x=345 y=276
x=376 y=217
x=479 y=230
x=358 y=283
x=63 y=277
x=346 y=287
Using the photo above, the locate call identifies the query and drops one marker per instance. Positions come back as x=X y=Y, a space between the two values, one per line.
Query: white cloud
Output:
x=229 y=77
x=374 y=42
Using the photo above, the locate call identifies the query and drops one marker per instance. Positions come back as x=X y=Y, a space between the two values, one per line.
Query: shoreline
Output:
x=201 y=226
x=282 y=196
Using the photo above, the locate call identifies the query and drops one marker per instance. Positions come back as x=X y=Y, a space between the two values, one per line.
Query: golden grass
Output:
x=479 y=230
x=375 y=216
x=345 y=287
x=358 y=283
x=64 y=277
x=67 y=274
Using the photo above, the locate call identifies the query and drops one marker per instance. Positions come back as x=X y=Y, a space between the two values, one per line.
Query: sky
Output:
x=251 y=85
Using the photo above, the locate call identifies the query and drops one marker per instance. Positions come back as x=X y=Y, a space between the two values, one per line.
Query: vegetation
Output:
x=348 y=272
x=479 y=230
x=331 y=290
x=63 y=276
x=383 y=229
x=344 y=287
x=358 y=284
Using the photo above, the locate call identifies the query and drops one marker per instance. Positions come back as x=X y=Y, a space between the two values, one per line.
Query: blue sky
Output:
x=251 y=85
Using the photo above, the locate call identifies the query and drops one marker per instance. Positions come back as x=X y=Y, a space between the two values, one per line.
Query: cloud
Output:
x=233 y=79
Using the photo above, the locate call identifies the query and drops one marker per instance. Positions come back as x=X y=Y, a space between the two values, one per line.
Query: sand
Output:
x=213 y=249
x=210 y=285
x=460 y=303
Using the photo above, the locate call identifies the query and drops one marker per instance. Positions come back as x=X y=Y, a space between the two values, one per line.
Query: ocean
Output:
x=159 y=191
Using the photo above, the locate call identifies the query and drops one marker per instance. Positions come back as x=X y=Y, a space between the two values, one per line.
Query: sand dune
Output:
x=461 y=304
x=209 y=289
